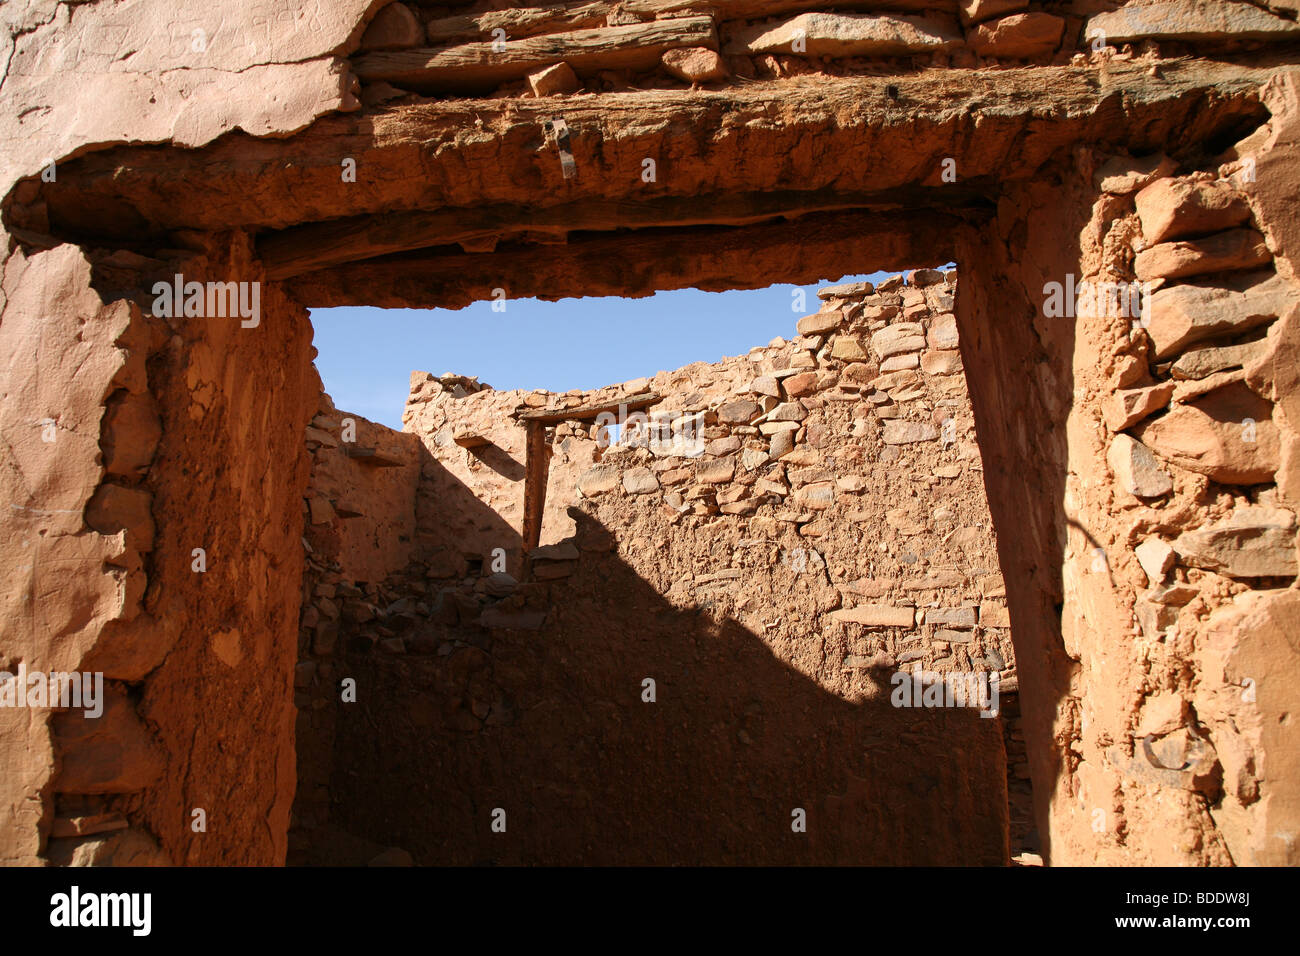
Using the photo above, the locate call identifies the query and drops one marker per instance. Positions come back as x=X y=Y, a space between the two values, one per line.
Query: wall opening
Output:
x=714 y=617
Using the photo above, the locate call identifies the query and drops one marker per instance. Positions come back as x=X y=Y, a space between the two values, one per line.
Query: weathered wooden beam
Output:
x=641 y=262
x=531 y=21
x=886 y=133
x=372 y=457
x=537 y=462
x=553 y=416
x=482 y=66
x=320 y=245
x=518 y=22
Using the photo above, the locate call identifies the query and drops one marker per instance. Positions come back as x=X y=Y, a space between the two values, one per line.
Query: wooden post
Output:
x=536 y=469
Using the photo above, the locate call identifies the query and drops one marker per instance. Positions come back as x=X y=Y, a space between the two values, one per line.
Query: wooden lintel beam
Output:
x=553 y=416
x=320 y=245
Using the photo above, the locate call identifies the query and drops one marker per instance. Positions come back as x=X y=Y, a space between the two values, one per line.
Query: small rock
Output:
x=788 y=412
x=1156 y=558
x=1020 y=36
x=640 y=481
x=1135 y=468
x=694 y=64
x=1127 y=406
x=551 y=80
x=901 y=432
x=394 y=27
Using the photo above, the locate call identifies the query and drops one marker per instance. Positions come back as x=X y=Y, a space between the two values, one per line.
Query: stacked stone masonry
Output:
x=822 y=492
x=1140 y=469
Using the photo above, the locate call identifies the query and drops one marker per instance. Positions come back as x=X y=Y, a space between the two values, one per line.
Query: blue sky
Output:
x=367 y=355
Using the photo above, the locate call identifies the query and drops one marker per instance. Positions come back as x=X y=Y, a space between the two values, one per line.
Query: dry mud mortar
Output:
x=1071 y=463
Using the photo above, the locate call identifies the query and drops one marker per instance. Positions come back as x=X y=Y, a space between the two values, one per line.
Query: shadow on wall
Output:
x=551 y=725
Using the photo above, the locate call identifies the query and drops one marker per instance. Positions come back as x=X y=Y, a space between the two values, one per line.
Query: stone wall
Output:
x=194 y=716
x=229 y=156
x=663 y=44
x=792 y=527
x=1170 y=461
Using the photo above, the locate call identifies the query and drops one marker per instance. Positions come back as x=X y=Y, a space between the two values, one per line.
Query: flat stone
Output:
x=847 y=348
x=1189 y=21
x=499 y=584
x=960 y=617
x=1230 y=251
x=1183 y=315
x=1171 y=208
x=896 y=339
x=1176 y=595
x=1019 y=36
x=943 y=332
x=640 y=481
x=716 y=472
x=562 y=551
x=817 y=497
x=1227 y=435
x=900 y=432
x=1136 y=469
x=1201 y=363
x=921 y=278
x=977 y=11
x=781 y=445
x=896 y=362
x=599 y=479
x=875 y=615
x=788 y=412
x=1130 y=405
x=940 y=362
x=995 y=615
x=805 y=383
x=767 y=385
x=846 y=290
x=1122 y=175
x=859 y=373
x=1252 y=543
x=819 y=323
x=739 y=412
x=841 y=35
